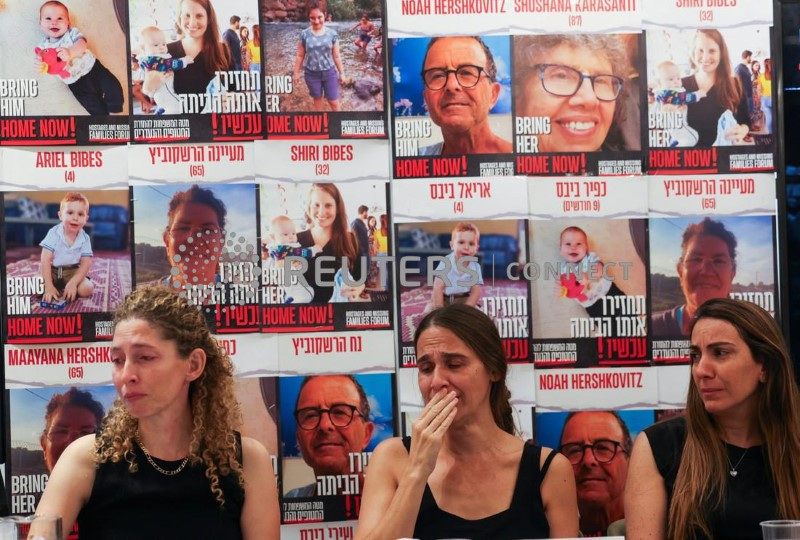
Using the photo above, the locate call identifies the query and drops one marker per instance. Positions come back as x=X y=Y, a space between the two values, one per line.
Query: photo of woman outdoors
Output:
x=695 y=93
x=181 y=52
x=317 y=45
x=329 y=222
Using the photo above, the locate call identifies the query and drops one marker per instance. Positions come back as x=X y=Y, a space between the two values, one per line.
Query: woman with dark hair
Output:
x=167 y=462
x=331 y=233
x=319 y=58
x=244 y=39
x=200 y=39
x=67 y=417
x=733 y=459
x=425 y=486
x=194 y=237
x=706 y=270
x=711 y=63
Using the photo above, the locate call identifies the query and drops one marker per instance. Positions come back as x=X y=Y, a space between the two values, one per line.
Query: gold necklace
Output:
x=155 y=465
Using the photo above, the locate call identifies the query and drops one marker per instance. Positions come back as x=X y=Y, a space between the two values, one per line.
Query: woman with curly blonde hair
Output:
x=167 y=461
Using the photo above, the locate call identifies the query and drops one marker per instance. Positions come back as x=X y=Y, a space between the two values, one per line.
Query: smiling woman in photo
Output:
x=576 y=82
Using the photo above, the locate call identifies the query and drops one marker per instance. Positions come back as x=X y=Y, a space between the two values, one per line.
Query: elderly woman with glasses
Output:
x=194 y=237
x=460 y=89
x=572 y=85
x=464 y=473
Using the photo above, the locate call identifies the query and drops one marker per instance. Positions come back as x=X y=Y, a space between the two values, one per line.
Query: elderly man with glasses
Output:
x=332 y=414
x=460 y=90
x=598 y=445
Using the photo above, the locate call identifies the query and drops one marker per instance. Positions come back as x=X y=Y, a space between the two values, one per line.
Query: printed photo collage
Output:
x=586 y=189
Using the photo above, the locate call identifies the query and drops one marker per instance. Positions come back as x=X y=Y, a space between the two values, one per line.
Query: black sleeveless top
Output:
x=148 y=504
x=524 y=518
x=749 y=495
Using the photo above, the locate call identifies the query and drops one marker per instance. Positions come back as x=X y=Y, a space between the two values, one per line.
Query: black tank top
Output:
x=524 y=518
x=148 y=504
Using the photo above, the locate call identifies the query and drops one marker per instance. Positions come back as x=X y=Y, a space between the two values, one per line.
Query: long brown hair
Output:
x=702 y=474
x=343 y=240
x=216 y=56
x=726 y=84
x=478 y=332
x=215 y=411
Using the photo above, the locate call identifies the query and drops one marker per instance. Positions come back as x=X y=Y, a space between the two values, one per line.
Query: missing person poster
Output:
x=710 y=92
x=598 y=444
x=451 y=122
x=699 y=257
x=323 y=75
x=68 y=264
x=324 y=252
x=565 y=127
x=590 y=294
x=475 y=262
x=63 y=73
x=588 y=271
x=329 y=425
x=44 y=421
x=193 y=73
x=202 y=240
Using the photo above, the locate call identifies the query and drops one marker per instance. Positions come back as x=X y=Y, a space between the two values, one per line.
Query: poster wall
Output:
x=316 y=179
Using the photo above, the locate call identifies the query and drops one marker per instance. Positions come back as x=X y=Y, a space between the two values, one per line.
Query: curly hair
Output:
x=215 y=411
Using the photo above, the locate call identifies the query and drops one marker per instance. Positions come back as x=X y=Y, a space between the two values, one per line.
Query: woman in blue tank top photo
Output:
x=167 y=461
x=463 y=472
x=733 y=459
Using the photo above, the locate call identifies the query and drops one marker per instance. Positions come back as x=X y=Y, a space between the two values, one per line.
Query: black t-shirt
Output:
x=148 y=504
x=329 y=266
x=192 y=79
x=524 y=518
x=703 y=115
x=749 y=496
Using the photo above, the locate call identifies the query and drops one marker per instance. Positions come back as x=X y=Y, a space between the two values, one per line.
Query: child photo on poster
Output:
x=67 y=252
x=324 y=57
x=428 y=250
x=68 y=60
x=590 y=285
x=698 y=258
x=325 y=220
x=188 y=58
x=709 y=88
